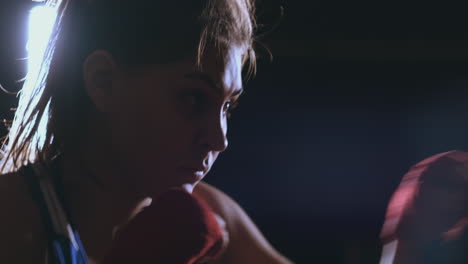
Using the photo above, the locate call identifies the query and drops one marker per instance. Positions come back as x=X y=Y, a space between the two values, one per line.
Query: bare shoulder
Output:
x=23 y=238
x=219 y=201
x=246 y=243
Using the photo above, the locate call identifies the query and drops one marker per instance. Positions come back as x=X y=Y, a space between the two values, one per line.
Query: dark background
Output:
x=357 y=92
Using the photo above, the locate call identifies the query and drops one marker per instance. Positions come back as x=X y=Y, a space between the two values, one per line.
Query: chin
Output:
x=188 y=187
x=186 y=180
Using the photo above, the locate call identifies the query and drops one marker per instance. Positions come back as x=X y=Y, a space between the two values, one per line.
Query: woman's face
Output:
x=168 y=123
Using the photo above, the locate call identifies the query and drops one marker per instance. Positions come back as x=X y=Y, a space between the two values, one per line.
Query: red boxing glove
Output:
x=430 y=206
x=177 y=228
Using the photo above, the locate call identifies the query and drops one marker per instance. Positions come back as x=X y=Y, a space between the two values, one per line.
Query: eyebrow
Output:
x=208 y=80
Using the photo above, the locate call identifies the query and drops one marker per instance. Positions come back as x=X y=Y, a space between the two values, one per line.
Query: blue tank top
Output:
x=65 y=246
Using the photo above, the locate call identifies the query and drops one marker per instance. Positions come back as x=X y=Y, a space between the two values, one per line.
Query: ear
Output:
x=99 y=73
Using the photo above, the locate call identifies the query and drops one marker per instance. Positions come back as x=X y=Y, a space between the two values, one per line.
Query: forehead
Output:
x=224 y=69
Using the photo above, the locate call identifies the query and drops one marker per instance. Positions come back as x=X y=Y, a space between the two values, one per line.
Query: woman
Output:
x=126 y=116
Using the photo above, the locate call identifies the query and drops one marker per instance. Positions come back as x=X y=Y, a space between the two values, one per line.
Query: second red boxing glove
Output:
x=428 y=212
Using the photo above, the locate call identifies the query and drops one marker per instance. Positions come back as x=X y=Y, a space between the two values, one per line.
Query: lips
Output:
x=196 y=165
x=196 y=168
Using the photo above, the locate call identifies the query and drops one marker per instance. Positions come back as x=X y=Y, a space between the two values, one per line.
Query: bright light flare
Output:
x=41 y=21
x=40 y=25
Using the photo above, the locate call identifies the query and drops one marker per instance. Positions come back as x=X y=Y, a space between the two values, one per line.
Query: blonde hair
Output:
x=52 y=102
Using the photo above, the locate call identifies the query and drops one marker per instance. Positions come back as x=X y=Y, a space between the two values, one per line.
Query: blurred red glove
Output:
x=430 y=205
x=177 y=228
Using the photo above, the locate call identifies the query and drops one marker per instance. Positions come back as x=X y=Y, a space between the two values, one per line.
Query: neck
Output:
x=96 y=209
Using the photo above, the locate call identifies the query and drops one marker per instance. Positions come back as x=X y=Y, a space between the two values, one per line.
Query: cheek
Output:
x=152 y=128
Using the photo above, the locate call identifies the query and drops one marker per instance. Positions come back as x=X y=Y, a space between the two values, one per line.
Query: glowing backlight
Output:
x=40 y=25
x=41 y=21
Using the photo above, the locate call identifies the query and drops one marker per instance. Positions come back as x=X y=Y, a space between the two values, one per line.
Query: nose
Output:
x=214 y=135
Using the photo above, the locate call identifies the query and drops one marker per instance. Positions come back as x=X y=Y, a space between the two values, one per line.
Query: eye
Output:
x=229 y=107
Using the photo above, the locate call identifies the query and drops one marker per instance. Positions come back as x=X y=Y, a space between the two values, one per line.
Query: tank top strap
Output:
x=64 y=241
